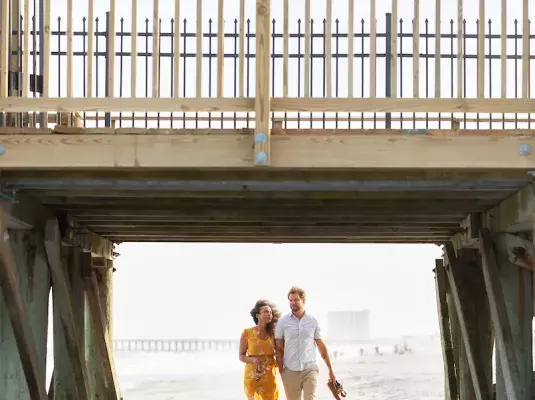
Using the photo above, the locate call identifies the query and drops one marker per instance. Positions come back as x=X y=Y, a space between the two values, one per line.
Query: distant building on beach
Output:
x=348 y=325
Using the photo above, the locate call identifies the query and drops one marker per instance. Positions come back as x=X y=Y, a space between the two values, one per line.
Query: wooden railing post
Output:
x=262 y=100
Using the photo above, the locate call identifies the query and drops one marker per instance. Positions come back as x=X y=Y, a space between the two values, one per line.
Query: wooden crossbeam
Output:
x=62 y=296
x=19 y=317
x=317 y=151
x=99 y=328
x=275 y=104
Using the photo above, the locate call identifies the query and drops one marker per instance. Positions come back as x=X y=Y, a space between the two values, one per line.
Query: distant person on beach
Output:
x=257 y=351
x=297 y=335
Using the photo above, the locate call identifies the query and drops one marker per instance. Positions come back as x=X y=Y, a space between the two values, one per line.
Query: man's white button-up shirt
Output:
x=299 y=340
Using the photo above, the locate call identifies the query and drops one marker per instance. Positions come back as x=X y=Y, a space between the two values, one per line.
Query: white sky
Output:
x=207 y=290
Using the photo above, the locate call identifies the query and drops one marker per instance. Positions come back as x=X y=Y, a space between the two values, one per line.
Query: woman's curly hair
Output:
x=270 y=328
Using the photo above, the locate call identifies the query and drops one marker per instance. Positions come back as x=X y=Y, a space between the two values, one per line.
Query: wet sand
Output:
x=204 y=376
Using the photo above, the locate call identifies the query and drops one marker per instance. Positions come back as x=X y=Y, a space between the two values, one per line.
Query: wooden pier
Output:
x=174 y=345
x=261 y=130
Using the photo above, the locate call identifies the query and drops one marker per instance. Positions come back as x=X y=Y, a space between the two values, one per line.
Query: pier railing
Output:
x=259 y=72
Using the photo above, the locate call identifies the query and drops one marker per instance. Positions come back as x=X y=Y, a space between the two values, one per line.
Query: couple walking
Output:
x=286 y=344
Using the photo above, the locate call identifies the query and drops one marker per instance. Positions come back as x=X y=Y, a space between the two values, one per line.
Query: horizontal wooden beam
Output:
x=356 y=193
x=283 y=230
x=271 y=176
x=404 y=105
x=89 y=241
x=24 y=104
x=468 y=105
x=247 y=238
x=384 y=152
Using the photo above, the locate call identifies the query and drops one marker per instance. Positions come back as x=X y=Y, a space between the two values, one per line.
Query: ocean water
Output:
x=219 y=375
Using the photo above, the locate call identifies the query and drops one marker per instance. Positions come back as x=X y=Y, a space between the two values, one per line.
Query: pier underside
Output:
x=340 y=186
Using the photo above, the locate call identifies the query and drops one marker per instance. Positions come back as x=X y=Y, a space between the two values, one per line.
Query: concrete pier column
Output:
x=31 y=265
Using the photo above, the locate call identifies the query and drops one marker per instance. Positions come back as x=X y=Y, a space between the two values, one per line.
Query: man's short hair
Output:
x=297 y=290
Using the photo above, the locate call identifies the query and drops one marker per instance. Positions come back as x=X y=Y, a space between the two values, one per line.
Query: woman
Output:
x=257 y=351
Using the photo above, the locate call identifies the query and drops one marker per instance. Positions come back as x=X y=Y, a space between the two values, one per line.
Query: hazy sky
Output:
x=207 y=290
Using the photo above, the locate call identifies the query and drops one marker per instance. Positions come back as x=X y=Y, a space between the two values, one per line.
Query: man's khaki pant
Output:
x=297 y=382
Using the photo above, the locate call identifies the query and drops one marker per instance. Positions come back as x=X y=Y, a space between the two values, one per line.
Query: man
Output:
x=297 y=335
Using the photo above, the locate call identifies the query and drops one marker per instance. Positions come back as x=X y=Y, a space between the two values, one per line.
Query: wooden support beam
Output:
x=514 y=214
x=90 y=242
x=511 y=375
x=317 y=151
x=385 y=105
x=62 y=293
x=441 y=288
x=19 y=317
x=26 y=213
x=100 y=328
x=278 y=104
x=64 y=383
x=474 y=346
x=167 y=104
x=262 y=141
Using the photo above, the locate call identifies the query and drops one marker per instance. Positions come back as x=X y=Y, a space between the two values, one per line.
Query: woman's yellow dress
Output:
x=261 y=386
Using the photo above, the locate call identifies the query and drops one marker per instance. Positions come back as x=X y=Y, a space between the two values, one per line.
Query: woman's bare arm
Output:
x=243 y=351
x=279 y=351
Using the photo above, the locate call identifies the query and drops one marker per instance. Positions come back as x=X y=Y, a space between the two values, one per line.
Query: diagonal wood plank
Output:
x=500 y=319
x=18 y=313
x=99 y=328
x=61 y=290
x=445 y=332
x=477 y=374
